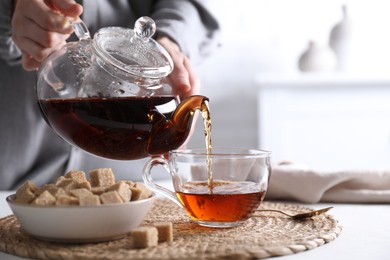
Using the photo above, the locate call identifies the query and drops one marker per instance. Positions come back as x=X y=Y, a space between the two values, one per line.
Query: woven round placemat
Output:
x=269 y=235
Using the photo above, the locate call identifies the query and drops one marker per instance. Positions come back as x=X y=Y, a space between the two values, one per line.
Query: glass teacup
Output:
x=220 y=189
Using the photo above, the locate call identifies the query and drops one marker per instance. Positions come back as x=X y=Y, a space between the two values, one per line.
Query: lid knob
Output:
x=145 y=27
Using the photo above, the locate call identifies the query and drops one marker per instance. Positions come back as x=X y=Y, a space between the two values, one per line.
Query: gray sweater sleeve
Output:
x=189 y=24
x=9 y=52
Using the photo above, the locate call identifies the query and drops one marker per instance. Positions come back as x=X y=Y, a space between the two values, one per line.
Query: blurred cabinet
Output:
x=329 y=122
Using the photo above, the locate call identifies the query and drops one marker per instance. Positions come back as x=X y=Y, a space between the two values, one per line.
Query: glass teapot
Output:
x=110 y=97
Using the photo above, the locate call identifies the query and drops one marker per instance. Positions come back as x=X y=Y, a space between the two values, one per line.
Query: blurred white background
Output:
x=266 y=37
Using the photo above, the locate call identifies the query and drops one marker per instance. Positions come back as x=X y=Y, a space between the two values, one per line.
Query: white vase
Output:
x=317 y=58
x=340 y=40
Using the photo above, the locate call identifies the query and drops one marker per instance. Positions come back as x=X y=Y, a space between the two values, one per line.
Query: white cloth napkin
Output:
x=298 y=182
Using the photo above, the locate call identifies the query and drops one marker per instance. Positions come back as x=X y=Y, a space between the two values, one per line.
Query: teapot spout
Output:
x=171 y=134
x=184 y=113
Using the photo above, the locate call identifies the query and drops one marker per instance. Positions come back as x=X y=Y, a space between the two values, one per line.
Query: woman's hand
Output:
x=183 y=78
x=40 y=27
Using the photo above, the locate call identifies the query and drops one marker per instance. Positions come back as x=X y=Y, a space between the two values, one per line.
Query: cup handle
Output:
x=147 y=177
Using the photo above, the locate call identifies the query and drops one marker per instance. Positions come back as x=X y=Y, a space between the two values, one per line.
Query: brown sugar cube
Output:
x=26 y=192
x=98 y=190
x=144 y=237
x=44 y=187
x=25 y=197
x=53 y=189
x=165 y=231
x=130 y=183
x=78 y=176
x=28 y=185
x=85 y=185
x=67 y=184
x=140 y=191
x=56 y=191
x=59 y=180
x=101 y=177
x=90 y=200
x=66 y=200
x=44 y=199
x=80 y=192
x=135 y=193
x=123 y=190
x=110 y=197
x=146 y=192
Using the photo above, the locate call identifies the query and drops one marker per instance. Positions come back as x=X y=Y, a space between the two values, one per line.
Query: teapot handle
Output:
x=80 y=29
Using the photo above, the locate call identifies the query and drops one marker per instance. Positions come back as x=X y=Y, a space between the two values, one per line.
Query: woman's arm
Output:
x=9 y=52
x=40 y=27
x=189 y=33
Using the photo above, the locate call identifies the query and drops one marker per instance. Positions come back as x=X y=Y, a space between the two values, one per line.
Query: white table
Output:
x=365 y=234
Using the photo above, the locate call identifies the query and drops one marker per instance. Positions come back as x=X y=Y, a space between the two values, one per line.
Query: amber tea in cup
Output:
x=217 y=189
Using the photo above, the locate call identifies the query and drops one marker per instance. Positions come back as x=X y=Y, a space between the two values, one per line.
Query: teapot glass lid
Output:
x=133 y=51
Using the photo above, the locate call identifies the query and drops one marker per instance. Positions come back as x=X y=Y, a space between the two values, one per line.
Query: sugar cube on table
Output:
x=144 y=237
x=165 y=231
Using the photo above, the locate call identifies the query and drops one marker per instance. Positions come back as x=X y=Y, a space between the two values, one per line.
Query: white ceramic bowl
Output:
x=80 y=223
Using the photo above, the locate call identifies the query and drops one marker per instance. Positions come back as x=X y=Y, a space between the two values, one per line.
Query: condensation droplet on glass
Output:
x=120 y=91
x=149 y=93
x=116 y=87
x=114 y=84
